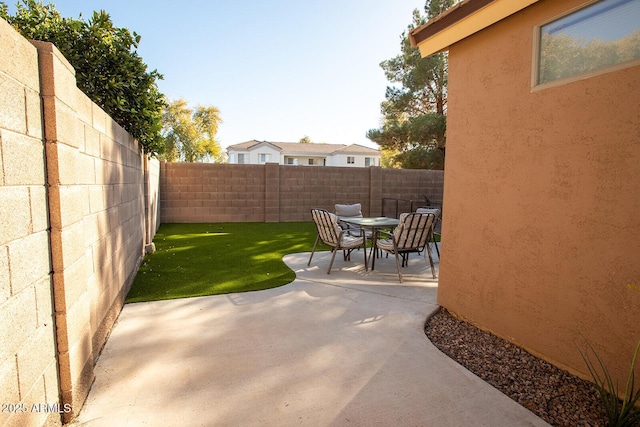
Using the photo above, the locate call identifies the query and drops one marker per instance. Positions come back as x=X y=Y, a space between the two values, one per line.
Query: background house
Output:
x=288 y=153
x=541 y=240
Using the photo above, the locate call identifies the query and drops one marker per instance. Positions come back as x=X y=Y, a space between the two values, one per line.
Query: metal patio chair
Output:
x=338 y=239
x=410 y=236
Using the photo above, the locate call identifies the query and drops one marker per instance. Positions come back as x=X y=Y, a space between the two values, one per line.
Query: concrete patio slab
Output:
x=325 y=350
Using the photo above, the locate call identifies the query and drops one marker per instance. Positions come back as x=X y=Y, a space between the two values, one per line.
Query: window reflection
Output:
x=603 y=34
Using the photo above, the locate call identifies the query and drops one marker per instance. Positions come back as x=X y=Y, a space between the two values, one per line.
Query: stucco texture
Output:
x=542 y=190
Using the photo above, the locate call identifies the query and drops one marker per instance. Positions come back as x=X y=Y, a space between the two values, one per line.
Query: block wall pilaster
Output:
x=272 y=192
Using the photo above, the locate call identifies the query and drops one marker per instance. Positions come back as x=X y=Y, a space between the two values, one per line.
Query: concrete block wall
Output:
x=303 y=188
x=78 y=204
x=97 y=206
x=198 y=192
x=413 y=184
x=28 y=367
x=193 y=192
x=407 y=186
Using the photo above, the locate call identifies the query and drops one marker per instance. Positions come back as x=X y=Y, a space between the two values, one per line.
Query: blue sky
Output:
x=277 y=70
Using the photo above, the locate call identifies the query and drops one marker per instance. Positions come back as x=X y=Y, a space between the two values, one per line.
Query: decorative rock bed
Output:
x=554 y=395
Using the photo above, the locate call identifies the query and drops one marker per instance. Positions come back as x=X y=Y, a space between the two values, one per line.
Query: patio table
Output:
x=374 y=224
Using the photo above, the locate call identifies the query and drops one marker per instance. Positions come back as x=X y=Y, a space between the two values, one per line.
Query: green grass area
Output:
x=209 y=259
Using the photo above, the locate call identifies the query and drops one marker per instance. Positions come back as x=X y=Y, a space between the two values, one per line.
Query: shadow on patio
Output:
x=341 y=349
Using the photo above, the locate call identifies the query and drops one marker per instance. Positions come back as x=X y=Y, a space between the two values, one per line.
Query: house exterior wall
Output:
x=72 y=230
x=542 y=226
x=274 y=155
x=200 y=192
x=333 y=161
x=305 y=159
x=358 y=160
x=253 y=157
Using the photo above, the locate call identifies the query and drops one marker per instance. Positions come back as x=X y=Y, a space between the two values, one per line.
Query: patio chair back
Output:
x=353 y=210
x=434 y=211
x=350 y=211
x=413 y=231
x=327 y=225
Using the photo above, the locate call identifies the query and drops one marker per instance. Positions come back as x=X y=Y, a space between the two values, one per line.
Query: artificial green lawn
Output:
x=209 y=259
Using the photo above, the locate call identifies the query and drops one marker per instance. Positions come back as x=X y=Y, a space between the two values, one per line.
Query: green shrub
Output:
x=108 y=68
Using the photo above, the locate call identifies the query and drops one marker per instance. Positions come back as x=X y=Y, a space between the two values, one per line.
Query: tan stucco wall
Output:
x=196 y=192
x=73 y=226
x=542 y=192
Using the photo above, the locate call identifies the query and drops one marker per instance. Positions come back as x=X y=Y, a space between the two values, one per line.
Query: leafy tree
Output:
x=108 y=68
x=414 y=112
x=305 y=140
x=190 y=134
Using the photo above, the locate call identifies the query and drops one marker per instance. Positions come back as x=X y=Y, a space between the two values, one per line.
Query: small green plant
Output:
x=618 y=413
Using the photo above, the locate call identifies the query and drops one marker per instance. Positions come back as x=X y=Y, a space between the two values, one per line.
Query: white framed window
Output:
x=264 y=157
x=369 y=161
x=310 y=162
x=351 y=160
x=241 y=158
x=594 y=39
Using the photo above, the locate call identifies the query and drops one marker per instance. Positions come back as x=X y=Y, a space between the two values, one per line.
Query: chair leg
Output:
x=366 y=267
x=333 y=256
x=433 y=271
x=373 y=257
x=405 y=258
x=314 y=249
x=398 y=265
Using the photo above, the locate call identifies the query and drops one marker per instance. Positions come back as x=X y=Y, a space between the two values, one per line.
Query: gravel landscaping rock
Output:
x=554 y=395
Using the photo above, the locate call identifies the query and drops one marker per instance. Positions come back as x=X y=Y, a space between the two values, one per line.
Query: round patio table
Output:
x=374 y=224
